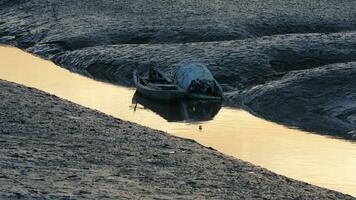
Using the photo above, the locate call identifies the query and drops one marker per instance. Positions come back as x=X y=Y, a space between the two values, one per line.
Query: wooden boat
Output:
x=155 y=85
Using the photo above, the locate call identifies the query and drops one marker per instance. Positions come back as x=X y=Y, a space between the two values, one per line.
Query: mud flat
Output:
x=329 y=109
x=51 y=148
x=250 y=46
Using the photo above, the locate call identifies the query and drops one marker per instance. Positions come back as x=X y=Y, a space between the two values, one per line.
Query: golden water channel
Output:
x=319 y=160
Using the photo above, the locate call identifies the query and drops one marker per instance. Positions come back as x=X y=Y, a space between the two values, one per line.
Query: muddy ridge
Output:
x=252 y=47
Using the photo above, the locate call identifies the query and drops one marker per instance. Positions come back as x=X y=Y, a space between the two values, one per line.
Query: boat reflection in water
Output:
x=189 y=111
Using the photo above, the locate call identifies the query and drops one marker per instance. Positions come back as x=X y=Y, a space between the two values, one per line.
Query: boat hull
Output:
x=166 y=96
x=205 y=97
x=161 y=95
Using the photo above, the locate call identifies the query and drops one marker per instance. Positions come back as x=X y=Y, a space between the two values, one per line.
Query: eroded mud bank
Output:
x=321 y=99
x=254 y=47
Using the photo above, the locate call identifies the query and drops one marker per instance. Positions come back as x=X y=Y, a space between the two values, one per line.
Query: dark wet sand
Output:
x=52 y=148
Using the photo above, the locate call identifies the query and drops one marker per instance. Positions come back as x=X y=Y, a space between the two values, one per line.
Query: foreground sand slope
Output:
x=51 y=148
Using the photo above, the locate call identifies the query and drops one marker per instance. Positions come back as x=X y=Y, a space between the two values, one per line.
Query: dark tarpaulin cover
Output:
x=191 y=73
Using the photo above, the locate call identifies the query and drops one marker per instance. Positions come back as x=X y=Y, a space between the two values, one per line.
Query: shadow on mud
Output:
x=188 y=111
